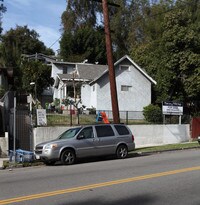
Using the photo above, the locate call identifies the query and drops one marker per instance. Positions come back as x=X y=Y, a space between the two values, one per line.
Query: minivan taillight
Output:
x=132 y=138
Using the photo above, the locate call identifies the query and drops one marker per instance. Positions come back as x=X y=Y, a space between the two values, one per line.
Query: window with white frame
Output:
x=124 y=67
x=125 y=87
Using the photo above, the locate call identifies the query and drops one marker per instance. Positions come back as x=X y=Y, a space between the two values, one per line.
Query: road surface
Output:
x=164 y=178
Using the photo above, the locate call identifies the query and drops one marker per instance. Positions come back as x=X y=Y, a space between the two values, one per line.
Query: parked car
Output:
x=87 y=141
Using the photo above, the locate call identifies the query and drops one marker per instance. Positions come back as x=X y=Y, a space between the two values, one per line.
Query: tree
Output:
x=82 y=38
x=35 y=71
x=182 y=45
x=86 y=43
x=79 y=13
x=2 y=10
x=120 y=16
x=16 y=42
x=170 y=51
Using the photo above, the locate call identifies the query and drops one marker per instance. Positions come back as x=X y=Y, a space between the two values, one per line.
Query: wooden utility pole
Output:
x=113 y=89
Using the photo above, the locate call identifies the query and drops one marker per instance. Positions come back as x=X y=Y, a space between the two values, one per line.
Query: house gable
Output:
x=126 y=61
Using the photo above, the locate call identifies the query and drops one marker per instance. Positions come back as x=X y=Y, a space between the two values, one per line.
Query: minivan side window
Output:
x=87 y=133
x=104 y=131
x=122 y=130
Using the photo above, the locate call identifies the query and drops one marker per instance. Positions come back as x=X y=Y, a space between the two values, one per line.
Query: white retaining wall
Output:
x=151 y=135
x=145 y=135
x=4 y=145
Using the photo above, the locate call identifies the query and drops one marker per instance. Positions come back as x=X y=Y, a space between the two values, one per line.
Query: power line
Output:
x=55 y=41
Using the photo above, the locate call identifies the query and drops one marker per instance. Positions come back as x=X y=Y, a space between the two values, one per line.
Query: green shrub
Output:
x=153 y=113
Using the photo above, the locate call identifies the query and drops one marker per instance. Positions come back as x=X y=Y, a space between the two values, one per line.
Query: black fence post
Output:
x=127 y=117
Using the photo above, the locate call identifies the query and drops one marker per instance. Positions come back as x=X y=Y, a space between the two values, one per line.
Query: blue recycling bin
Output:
x=22 y=156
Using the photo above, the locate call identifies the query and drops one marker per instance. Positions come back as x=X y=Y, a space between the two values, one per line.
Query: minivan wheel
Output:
x=68 y=157
x=122 y=152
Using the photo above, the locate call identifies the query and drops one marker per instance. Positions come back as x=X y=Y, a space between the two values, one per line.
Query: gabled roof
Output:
x=85 y=72
x=135 y=65
x=90 y=71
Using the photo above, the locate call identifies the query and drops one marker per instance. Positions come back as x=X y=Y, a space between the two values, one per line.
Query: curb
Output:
x=169 y=150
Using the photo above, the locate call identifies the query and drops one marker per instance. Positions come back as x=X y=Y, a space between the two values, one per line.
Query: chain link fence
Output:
x=74 y=117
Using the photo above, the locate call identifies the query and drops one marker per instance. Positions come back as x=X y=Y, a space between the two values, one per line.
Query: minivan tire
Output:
x=122 y=151
x=68 y=157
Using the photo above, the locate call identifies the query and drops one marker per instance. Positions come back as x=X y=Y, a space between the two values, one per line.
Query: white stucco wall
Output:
x=152 y=135
x=86 y=95
x=93 y=98
x=138 y=96
x=43 y=134
x=4 y=145
x=145 y=135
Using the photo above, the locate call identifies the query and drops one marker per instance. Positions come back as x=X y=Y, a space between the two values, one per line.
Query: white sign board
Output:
x=41 y=117
x=172 y=108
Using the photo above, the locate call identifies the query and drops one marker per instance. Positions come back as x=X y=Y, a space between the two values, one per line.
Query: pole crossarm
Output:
x=109 y=3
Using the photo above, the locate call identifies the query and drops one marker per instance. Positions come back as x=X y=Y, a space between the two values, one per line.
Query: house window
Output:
x=93 y=88
x=124 y=67
x=125 y=87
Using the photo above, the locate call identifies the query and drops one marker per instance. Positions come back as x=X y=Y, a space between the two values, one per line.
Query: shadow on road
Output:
x=103 y=158
x=138 y=200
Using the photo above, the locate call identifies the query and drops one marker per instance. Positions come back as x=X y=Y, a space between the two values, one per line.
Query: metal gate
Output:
x=23 y=129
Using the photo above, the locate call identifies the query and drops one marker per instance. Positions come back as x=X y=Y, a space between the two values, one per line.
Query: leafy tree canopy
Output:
x=82 y=38
x=170 y=50
x=86 y=43
x=2 y=10
x=16 y=42
x=35 y=71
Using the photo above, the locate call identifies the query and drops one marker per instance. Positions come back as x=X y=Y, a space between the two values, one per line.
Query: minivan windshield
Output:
x=69 y=133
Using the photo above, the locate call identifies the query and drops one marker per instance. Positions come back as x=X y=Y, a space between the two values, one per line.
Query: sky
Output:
x=44 y=16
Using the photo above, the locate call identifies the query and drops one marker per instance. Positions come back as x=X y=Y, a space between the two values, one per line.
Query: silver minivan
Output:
x=87 y=141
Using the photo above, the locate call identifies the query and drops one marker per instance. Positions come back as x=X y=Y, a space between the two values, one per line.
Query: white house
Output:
x=133 y=88
x=69 y=77
x=90 y=82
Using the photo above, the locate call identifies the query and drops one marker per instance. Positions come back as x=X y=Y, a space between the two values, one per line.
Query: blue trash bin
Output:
x=24 y=156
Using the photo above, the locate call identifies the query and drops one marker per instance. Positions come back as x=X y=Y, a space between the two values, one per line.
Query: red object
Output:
x=105 y=118
x=133 y=138
x=72 y=112
x=195 y=127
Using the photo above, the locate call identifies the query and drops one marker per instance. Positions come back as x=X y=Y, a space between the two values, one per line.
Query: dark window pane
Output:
x=122 y=130
x=104 y=131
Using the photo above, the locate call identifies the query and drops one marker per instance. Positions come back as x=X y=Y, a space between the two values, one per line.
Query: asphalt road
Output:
x=165 y=178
